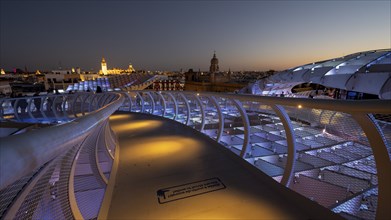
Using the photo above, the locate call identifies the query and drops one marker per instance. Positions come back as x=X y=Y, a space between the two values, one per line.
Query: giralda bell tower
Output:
x=104 y=66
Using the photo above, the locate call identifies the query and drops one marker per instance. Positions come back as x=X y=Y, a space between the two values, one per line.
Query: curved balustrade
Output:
x=62 y=171
x=52 y=108
x=332 y=151
x=335 y=152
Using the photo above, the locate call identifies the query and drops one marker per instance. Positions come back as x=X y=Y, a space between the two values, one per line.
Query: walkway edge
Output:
x=105 y=207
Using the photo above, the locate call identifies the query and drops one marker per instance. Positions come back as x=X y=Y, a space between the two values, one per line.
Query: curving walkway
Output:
x=168 y=171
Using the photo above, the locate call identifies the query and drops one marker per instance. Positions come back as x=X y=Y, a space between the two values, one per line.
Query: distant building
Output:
x=105 y=71
x=60 y=79
x=104 y=66
x=213 y=81
x=167 y=85
x=214 y=64
x=5 y=87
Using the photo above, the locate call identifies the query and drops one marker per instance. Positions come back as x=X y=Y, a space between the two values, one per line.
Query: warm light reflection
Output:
x=120 y=117
x=139 y=126
x=147 y=153
x=175 y=148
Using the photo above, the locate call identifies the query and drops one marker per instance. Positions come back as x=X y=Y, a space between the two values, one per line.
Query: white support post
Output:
x=16 y=109
x=130 y=101
x=246 y=124
x=163 y=101
x=1 y=109
x=42 y=111
x=54 y=108
x=202 y=112
x=187 y=107
x=65 y=98
x=175 y=105
x=29 y=108
x=221 y=118
x=98 y=103
x=152 y=102
x=290 y=138
x=141 y=101
x=83 y=103
x=91 y=103
x=74 y=104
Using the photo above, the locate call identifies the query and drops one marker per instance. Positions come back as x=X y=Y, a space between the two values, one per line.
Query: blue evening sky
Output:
x=170 y=35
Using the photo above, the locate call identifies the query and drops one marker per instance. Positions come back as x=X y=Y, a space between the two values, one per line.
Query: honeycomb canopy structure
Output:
x=364 y=72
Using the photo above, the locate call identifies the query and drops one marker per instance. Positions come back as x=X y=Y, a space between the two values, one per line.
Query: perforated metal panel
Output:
x=9 y=194
x=89 y=185
x=49 y=197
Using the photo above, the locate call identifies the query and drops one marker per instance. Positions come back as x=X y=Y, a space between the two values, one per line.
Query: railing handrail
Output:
x=29 y=151
x=348 y=106
x=358 y=112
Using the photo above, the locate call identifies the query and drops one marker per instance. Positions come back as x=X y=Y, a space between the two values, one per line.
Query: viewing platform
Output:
x=183 y=155
x=167 y=170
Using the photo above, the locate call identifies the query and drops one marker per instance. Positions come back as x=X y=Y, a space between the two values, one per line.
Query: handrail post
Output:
x=221 y=118
x=74 y=104
x=290 y=138
x=1 y=109
x=42 y=111
x=246 y=125
x=175 y=105
x=29 y=107
x=164 y=103
x=141 y=101
x=65 y=99
x=130 y=100
x=202 y=112
x=91 y=102
x=54 y=108
x=152 y=102
x=187 y=107
x=16 y=109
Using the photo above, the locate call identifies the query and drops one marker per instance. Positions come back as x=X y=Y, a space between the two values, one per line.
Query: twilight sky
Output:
x=170 y=35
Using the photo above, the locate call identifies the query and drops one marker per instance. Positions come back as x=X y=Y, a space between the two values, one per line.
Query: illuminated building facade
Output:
x=105 y=71
x=104 y=67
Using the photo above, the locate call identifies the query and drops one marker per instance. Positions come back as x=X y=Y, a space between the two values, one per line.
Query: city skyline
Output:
x=172 y=35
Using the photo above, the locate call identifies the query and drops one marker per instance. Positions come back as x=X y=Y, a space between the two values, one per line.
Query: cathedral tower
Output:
x=214 y=64
x=104 y=66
